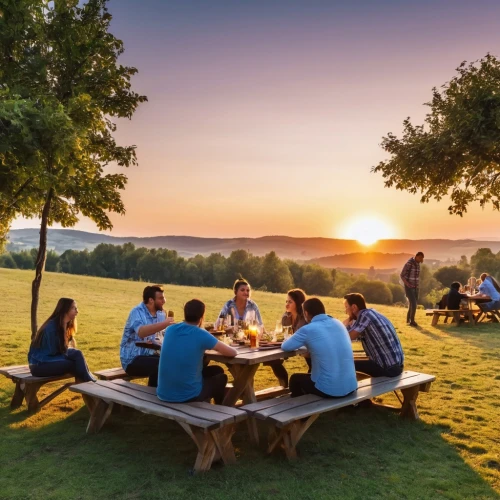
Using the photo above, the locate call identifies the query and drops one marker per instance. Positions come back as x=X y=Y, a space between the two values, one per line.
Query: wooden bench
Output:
x=27 y=386
x=456 y=314
x=115 y=373
x=291 y=417
x=211 y=427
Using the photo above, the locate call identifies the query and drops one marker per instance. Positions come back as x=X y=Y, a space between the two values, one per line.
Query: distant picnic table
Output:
x=472 y=315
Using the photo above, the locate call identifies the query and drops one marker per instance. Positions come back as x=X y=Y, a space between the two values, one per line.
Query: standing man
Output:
x=410 y=276
x=378 y=337
x=144 y=321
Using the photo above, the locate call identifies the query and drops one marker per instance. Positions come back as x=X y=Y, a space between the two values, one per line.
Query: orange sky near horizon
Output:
x=264 y=121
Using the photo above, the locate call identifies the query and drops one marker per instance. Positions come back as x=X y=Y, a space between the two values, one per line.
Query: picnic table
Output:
x=471 y=314
x=481 y=316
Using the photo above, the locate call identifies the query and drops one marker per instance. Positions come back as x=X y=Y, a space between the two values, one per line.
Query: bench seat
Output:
x=291 y=417
x=115 y=373
x=27 y=386
x=455 y=314
x=210 y=426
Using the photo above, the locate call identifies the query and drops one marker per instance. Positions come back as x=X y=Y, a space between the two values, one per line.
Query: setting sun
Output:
x=367 y=230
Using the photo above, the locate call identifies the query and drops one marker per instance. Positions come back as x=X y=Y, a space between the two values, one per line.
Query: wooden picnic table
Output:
x=243 y=368
x=481 y=316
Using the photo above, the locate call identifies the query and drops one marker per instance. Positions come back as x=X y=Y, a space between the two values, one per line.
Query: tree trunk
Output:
x=40 y=264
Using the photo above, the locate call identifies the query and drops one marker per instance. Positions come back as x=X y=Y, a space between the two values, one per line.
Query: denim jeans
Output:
x=74 y=363
x=145 y=366
x=412 y=295
x=371 y=368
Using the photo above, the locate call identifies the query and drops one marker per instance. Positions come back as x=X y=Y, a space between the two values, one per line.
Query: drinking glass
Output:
x=279 y=327
x=287 y=332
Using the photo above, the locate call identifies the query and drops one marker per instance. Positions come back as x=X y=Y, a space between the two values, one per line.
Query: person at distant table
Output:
x=53 y=350
x=410 y=276
x=144 y=321
x=181 y=376
x=378 y=337
x=454 y=296
x=489 y=287
x=333 y=373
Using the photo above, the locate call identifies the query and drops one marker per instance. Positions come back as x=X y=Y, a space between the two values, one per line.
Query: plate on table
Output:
x=149 y=345
x=268 y=347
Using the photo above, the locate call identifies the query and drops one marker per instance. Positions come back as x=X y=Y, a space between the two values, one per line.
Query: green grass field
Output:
x=452 y=452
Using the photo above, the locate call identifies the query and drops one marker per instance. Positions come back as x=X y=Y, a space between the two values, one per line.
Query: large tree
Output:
x=457 y=151
x=60 y=88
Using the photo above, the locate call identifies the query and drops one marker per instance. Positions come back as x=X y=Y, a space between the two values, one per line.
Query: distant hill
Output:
x=364 y=260
x=303 y=249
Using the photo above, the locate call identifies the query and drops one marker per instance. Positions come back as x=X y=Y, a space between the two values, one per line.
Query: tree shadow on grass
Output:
x=353 y=453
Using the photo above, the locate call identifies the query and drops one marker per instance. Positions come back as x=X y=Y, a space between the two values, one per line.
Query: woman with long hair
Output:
x=294 y=317
x=50 y=353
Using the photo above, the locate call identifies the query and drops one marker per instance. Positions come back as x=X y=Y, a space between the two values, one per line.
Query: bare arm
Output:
x=225 y=350
x=354 y=334
x=147 y=330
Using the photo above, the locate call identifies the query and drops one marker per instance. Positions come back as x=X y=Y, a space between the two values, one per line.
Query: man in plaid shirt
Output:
x=378 y=337
x=410 y=276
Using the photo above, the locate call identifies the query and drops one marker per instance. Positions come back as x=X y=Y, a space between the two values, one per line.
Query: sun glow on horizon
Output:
x=367 y=230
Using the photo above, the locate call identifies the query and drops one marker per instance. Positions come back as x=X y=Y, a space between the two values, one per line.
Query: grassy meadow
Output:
x=452 y=452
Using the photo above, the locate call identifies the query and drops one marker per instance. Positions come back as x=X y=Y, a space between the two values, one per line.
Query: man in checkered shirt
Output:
x=410 y=276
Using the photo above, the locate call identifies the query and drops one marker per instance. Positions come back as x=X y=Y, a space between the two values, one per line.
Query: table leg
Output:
x=242 y=385
x=243 y=388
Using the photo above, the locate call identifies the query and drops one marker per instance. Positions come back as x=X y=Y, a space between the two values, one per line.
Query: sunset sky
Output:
x=265 y=117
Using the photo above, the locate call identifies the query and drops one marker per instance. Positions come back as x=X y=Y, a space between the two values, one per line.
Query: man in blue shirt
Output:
x=327 y=340
x=144 y=321
x=489 y=288
x=181 y=376
x=378 y=336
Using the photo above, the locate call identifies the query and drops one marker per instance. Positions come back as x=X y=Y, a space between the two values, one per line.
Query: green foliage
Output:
x=276 y=274
x=61 y=84
x=24 y=260
x=317 y=278
x=374 y=291
x=398 y=292
x=60 y=88
x=457 y=152
x=448 y=274
x=7 y=261
x=485 y=261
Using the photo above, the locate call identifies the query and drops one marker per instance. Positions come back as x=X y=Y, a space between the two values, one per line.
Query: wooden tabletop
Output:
x=248 y=356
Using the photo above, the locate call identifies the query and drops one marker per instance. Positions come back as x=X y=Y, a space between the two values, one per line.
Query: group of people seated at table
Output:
x=181 y=372
x=488 y=288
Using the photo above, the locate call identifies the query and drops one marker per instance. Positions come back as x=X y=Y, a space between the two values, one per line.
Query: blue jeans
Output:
x=489 y=306
x=412 y=295
x=74 y=363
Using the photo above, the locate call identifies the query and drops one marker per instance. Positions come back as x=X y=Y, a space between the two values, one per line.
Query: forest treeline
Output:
x=267 y=273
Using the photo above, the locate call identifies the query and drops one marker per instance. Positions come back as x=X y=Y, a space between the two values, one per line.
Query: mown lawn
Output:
x=452 y=452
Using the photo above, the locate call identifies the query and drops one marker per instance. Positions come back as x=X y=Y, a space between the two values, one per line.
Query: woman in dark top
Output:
x=294 y=317
x=50 y=352
x=455 y=297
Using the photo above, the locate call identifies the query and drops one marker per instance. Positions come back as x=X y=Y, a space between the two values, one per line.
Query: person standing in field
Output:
x=410 y=276
x=144 y=321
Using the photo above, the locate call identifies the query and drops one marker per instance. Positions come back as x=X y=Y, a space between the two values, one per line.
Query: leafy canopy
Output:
x=457 y=150
x=60 y=87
